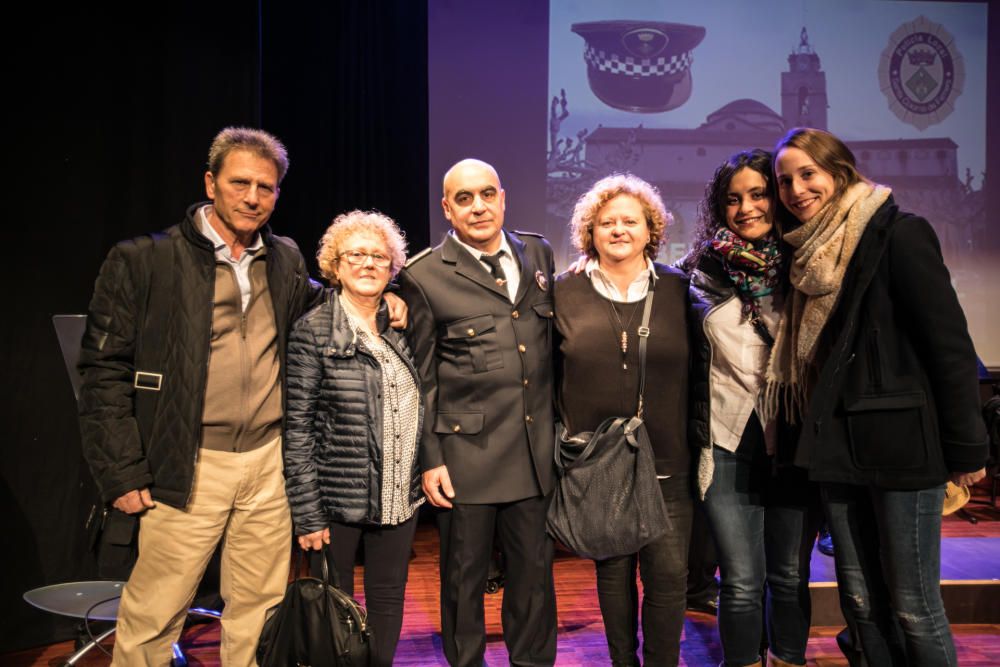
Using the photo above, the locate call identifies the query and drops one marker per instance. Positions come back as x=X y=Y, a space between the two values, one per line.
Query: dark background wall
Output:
x=112 y=118
x=488 y=86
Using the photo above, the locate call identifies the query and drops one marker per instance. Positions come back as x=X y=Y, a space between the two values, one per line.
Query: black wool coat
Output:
x=896 y=402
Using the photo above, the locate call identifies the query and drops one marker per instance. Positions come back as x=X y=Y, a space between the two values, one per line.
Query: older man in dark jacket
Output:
x=181 y=404
x=481 y=308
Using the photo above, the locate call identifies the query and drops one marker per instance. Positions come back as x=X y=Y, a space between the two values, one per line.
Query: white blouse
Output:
x=739 y=360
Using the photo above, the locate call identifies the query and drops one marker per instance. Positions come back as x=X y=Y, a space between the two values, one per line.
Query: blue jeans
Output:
x=888 y=559
x=663 y=569
x=762 y=536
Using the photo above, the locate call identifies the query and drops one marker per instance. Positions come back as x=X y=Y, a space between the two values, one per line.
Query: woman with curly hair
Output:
x=619 y=226
x=763 y=513
x=353 y=422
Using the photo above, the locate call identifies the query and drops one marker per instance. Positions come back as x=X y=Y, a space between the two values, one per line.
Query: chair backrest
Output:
x=69 y=331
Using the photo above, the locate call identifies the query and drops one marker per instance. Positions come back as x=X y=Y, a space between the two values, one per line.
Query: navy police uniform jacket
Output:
x=485 y=365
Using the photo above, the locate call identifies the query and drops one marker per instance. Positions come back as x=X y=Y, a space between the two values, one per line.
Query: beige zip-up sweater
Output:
x=243 y=390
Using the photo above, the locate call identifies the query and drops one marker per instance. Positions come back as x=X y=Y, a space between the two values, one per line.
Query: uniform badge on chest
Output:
x=543 y=282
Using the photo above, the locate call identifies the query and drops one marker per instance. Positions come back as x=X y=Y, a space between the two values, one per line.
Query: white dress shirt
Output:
x=241 y=266
x=507 y=262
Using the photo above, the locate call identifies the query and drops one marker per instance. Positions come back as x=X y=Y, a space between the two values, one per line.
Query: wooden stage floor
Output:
x=581 y=635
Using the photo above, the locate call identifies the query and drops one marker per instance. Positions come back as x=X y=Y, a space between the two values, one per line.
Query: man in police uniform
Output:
x=481 y=328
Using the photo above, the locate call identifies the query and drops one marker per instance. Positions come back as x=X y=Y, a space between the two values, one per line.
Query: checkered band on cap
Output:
x=630 y=66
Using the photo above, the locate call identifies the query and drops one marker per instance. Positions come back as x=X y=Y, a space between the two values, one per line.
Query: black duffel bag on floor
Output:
x=315 y=624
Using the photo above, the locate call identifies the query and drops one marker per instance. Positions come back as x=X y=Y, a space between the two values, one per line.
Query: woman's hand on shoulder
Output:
x=578 y=265
x=317 y=540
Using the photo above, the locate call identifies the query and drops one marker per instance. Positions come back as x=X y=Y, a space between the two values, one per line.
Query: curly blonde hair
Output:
x=345 y=226
x=590 y=204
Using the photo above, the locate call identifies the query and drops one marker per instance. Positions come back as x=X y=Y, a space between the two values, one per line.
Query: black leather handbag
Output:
x=315 y=624
x=607 y=501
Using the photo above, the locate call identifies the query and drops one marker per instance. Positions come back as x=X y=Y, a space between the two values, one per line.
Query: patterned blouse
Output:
x=400 y=413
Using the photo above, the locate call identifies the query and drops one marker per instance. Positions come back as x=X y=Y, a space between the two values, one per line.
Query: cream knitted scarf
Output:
x=824 y=245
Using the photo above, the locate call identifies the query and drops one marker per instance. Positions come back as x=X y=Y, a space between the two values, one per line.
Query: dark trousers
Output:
x=662 y=567
x=387 y=562
x=528 y=611
x=702 y=586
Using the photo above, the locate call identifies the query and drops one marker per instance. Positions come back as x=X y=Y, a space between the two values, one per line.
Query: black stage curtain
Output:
x=346 y=85
x=113 y=114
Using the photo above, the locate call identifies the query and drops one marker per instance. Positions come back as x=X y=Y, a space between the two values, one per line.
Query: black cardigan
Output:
x=592 y=384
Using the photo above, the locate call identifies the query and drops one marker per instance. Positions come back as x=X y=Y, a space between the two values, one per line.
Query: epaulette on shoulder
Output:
x=419 y=256
x=524 y=233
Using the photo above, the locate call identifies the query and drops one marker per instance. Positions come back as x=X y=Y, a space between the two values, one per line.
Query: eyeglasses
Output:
x=357 y=258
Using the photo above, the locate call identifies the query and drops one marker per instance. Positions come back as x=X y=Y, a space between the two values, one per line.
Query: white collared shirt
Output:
x=241 y=266
x=507 y=262
x=605 y=286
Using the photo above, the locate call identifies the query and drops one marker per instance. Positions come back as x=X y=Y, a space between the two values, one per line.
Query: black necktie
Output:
x=495 y=269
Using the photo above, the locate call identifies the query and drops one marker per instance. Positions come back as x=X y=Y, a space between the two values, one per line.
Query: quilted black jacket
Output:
x=333 y=426
x=152 y=313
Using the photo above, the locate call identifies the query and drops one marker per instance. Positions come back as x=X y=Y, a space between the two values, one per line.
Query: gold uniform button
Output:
x=525 y=382
x=522 y=348
x=528 y=419
x=515 y=314
x=471 y=332
x=456 y=428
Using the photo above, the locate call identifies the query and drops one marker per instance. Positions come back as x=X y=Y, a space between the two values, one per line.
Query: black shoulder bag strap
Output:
x=643 y=335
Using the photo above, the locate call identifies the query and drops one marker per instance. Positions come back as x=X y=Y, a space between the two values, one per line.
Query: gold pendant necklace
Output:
x=623 y=337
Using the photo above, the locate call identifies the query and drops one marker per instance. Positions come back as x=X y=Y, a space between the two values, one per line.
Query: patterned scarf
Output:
x=754 y=267
x=824 y=246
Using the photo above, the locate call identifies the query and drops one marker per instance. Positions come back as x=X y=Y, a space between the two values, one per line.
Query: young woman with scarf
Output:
x=875 y=357
x=763 y=515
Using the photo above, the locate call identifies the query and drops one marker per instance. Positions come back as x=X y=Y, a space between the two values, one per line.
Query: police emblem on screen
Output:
x=921 y=73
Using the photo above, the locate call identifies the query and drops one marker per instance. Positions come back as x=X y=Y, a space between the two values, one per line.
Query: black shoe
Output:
x=704 y=606
x=825 y=544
